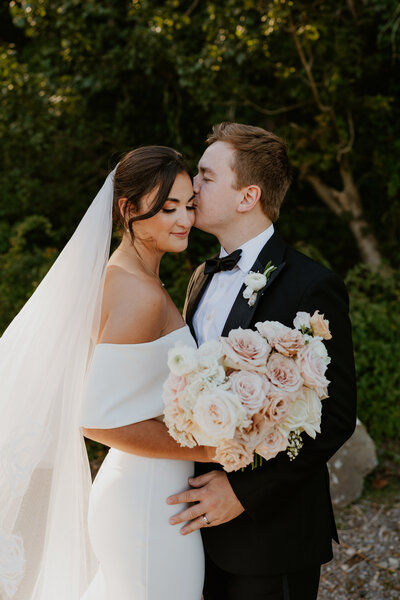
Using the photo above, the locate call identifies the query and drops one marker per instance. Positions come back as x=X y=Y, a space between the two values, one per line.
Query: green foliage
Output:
x=375 y=315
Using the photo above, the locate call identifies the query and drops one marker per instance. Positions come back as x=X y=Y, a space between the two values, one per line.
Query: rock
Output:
x=348 y=467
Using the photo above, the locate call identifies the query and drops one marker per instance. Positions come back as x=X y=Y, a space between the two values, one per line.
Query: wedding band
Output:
x=206 y=520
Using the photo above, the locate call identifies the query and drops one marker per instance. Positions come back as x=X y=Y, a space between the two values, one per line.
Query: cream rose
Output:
x=245 y=349
x=276 y=441
x=320 y=326
x=233 y=455
x=312 y=368
x=182 y=359
x=285 y=340
x=216 y=415
x=251 y=388
x=179 y=420
x=297 y=417
x=313 y=424
x=284 y=373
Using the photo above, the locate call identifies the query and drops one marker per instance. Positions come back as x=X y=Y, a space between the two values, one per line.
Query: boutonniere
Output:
x=255 y=282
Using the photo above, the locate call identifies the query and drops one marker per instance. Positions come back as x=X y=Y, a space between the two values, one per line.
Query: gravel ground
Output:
x=367 y=562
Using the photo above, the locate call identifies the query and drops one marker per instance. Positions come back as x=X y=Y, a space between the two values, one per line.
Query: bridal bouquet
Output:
x=250 y=394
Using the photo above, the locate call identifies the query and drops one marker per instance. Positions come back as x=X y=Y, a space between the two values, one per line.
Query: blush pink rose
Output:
x=251 y=388
x=275 y=442
x=320 y=326
x=174 y=385
x=284 y=373
x=278 y=405
x=256 y=432
x=285 y=340
x=217 y=414
x=312 y=368
x=233 y=455
x=245 y=349
x=179 y=422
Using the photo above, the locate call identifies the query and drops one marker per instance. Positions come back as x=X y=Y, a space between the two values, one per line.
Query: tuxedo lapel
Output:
x=196 y=293
x=241 y=313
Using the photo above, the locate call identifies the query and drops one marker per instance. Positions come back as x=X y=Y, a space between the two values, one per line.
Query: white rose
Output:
x=248 y=292
x=255 y=281
x=302 y=319
x=182 y=359
x=216 y=416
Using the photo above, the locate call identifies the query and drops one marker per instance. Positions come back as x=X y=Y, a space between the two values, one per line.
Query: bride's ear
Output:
x=251 y=196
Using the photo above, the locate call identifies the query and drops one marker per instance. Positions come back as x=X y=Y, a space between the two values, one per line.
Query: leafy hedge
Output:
x=375 y=315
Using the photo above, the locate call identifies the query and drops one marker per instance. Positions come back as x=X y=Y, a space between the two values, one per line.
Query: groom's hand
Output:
x=214 y=497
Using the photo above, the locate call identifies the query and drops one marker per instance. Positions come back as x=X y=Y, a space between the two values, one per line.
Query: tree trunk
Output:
x=348 y=201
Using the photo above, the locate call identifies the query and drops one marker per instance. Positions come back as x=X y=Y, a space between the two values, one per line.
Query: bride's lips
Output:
x=181 y=235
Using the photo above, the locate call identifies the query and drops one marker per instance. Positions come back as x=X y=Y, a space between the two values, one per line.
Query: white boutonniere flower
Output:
x=255 y=282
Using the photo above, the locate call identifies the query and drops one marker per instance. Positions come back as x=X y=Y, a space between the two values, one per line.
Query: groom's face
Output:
x=216 y=196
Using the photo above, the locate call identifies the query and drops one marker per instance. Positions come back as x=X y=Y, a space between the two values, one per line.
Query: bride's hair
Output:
x=138 y=173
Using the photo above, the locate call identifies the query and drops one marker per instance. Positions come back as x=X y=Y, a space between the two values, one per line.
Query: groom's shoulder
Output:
x=305 y=269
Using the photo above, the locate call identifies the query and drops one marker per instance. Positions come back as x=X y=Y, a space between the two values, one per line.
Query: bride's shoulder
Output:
x=134 y=308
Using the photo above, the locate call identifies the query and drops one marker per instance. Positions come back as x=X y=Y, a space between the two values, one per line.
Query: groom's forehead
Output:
x=218 y=155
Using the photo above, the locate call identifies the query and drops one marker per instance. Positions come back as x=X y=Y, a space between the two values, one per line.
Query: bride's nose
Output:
x=185 y=219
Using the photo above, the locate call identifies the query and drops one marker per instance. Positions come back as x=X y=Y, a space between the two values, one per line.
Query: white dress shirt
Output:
x=216 y=304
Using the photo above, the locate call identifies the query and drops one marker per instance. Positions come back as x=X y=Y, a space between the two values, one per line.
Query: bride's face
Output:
x=169 y=229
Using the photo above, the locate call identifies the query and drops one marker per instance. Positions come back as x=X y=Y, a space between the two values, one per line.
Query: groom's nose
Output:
x=196 y=187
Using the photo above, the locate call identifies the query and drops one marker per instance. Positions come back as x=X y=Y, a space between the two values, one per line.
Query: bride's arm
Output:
x=148 y=438
x=135 y=312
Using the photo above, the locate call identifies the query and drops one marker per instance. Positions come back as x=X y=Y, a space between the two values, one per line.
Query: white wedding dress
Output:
x=141 y=556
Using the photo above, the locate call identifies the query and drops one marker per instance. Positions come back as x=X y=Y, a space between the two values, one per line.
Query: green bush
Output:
x=375 y=315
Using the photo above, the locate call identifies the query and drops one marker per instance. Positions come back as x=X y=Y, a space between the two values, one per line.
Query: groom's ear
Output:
x=251 y=196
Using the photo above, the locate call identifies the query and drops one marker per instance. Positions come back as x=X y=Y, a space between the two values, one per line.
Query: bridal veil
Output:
x=45 y=480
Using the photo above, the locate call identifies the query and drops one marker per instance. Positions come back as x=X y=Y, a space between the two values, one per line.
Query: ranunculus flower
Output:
x=251 y=388
x=312 y=368
x=276 y=441
x=320 y=326
x=278 y=405
x=233 y=455
x=255 y=281
x=283 y=372
x=302 y=319
x=182 y=359
x=216 y=415
x=213 y=348
x=285 y=340
x=245 y=349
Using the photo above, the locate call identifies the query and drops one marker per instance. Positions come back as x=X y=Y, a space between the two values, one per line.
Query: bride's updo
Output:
x=138 y=173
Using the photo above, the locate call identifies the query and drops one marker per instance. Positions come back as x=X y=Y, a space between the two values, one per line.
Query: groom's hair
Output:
x=260 y=158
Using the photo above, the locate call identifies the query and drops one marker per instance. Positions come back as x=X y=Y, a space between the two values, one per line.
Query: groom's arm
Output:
x=278 y=477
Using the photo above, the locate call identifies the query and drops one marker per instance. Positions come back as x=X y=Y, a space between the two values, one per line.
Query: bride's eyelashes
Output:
x=171 y=210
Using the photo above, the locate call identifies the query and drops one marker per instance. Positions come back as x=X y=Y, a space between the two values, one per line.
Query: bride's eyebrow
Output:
x=178 y=201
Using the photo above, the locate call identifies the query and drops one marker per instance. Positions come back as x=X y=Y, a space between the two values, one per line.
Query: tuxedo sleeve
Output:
x=278 y=478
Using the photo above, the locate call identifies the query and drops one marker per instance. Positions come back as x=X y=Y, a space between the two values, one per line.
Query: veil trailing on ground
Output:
x=45 y=552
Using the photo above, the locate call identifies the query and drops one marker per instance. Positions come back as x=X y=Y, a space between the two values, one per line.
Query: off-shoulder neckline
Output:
x=144 y=343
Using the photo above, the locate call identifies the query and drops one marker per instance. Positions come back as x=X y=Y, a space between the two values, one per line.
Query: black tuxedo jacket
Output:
x=288 y=522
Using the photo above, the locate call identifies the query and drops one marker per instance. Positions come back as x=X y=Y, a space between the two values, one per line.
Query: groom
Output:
x=265 y=531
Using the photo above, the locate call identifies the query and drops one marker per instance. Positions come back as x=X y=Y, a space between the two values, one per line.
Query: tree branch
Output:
x=272 y=111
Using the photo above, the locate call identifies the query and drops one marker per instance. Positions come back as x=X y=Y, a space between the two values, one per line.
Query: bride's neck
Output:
x=139 y=255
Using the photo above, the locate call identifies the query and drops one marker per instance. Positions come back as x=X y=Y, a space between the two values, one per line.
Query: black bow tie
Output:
x=213 y=265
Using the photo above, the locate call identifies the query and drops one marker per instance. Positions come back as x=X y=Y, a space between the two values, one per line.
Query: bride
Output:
x=89 y=349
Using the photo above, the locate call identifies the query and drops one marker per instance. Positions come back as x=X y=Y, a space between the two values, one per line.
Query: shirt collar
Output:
x=251 y=249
